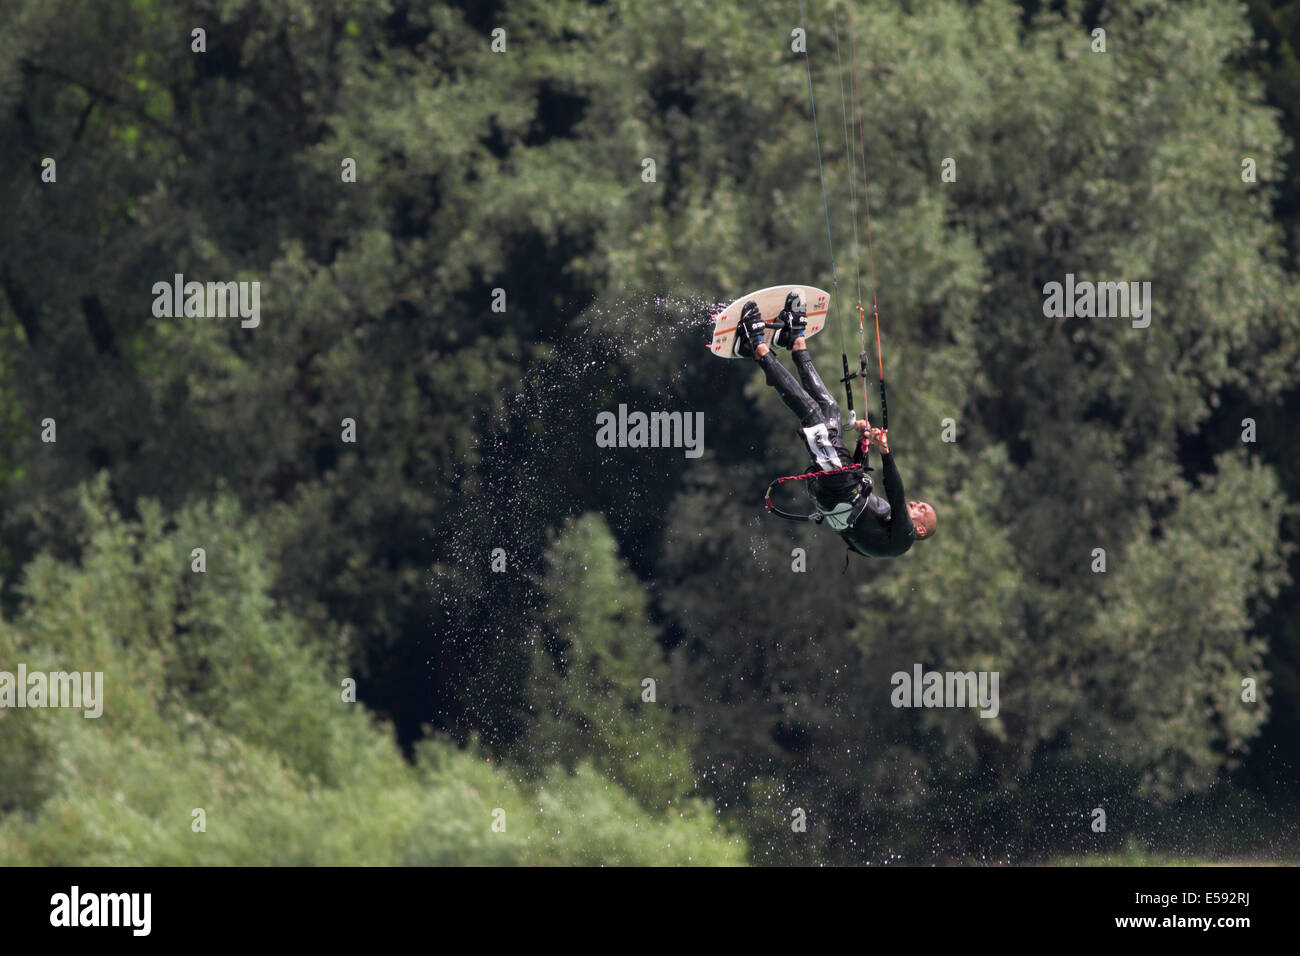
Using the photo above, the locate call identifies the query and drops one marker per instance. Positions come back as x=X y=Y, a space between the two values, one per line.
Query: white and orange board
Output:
x=770 y=303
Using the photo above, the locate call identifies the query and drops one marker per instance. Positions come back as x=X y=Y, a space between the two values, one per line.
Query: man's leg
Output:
x=813 y=384
x=792 y=393
x=832 y=489
x=827 y=452
x=825 y=448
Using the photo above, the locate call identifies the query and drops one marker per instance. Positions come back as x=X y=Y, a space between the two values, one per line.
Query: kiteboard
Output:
x=770 y=302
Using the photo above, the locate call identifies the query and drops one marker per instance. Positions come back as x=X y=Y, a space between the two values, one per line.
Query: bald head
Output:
x=924 y=520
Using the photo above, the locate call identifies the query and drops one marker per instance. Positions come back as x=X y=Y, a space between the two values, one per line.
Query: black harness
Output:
x=858 y=500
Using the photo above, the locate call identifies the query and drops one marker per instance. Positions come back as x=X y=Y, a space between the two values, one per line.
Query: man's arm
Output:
x=900 y=521
x=901 y=531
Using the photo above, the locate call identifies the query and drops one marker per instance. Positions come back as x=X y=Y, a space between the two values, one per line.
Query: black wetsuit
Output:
x=870 y=525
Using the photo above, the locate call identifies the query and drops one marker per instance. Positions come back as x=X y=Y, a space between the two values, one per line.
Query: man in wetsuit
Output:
x=870 y=525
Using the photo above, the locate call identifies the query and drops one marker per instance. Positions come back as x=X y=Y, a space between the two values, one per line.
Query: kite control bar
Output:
x=848 y=392
x=862 y=372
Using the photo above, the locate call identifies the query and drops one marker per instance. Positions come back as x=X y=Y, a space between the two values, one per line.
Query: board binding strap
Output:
x=770 y=302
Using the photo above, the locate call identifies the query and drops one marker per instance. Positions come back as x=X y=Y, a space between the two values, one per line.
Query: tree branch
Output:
x=107 y=97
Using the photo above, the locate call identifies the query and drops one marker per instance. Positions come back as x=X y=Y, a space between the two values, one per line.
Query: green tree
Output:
x=214 y=700
x=587 y=694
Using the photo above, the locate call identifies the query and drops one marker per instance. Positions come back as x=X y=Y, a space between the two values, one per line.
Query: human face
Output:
x=922 y=516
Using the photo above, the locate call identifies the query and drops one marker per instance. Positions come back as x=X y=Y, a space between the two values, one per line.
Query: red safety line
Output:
x=767 y=497
x=818 y=474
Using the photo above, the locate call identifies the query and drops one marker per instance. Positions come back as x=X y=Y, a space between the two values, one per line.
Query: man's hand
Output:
x=877 y=435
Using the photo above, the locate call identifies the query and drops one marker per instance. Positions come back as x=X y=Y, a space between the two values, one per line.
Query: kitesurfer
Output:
x=870 y=525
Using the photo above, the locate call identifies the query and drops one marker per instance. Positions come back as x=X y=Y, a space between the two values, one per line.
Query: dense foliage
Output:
x=516 y=679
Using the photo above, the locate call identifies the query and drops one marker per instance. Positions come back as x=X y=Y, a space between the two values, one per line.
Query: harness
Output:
x=842 y=517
